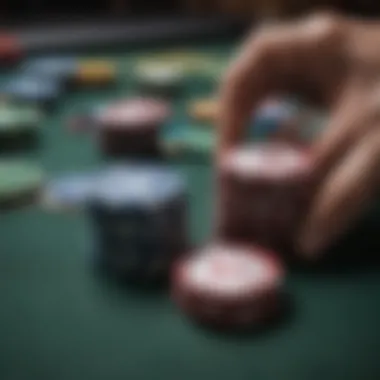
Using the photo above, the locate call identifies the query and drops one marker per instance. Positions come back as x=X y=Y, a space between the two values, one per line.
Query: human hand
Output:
x=336 y=61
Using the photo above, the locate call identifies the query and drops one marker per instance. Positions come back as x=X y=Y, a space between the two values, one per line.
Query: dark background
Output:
x=20 y=11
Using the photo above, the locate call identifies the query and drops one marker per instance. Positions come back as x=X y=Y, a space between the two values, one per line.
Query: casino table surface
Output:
x=59 y=320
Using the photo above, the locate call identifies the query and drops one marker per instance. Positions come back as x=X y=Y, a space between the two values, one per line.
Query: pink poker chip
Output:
x=134 y=113
x=228 y=273
x=267 y=160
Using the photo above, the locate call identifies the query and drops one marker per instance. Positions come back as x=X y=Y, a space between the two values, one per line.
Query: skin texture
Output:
x=334 y=61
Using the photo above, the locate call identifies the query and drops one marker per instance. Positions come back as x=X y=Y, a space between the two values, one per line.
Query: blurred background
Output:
x=39 y=10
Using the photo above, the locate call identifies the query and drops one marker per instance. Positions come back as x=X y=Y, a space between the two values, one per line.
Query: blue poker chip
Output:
x=51 y=67
x=137 y=184
x=271 y=116
x=68 y=192
x=32 y=89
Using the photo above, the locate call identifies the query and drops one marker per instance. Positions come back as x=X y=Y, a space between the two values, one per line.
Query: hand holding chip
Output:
x=336 y=61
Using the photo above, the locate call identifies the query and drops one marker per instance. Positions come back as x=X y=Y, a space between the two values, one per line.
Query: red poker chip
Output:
x=270 y=161
x=134 y=113
x=228 y=285
x=10 y=49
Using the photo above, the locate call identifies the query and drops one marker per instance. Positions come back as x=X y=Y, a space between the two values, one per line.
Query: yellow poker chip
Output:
x=187 y=61
x=96 y=72
x=204 y=110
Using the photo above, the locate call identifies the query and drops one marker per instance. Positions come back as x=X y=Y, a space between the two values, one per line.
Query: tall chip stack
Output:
x=139 y=218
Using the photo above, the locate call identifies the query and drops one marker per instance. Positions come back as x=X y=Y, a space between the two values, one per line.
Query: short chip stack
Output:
x=54 y=68
x=10 y=49
x=34 y=90
x=19 y=126
x=229 y=286
x=139 y=217
x=263 y=190
x=94 y=74
x=160 y=79
x=131 y=127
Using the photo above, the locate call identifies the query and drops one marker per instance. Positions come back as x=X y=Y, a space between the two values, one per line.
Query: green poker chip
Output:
x=20 y=183
x=15 y=118
x=19 y=126
x=190 y=141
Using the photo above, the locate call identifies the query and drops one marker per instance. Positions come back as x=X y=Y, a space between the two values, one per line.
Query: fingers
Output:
x=348 y=122
x=272 y=61
x=349 y=187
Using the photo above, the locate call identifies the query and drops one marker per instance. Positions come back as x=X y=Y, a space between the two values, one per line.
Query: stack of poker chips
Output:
x=19 y=126
x=161 y=79
x=264 y=190
x=128 y=128
x=236 y=281
x=139 y=218
x=131 y=127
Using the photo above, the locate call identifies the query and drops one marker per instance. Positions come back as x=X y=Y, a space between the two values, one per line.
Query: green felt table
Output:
x=60 y=321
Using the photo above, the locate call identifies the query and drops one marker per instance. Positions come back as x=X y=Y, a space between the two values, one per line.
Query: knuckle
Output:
x=324 y=25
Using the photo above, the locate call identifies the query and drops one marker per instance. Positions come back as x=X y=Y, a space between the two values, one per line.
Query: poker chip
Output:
x=95 y=73
x=134 y=113
x=33 y=90
x=268 y=161
x=264 y=190
x=138 y=212
x=19 y=126
x=20 y=183
x=15 y=117
x=187 y=60
x=10 y=49
x=136 y=184
x=276 y=119
x=204 y=110
x=190 y=140
x=69 y=192
x=130 y=127
x=58 y=68
x=160 y=79
x=228 y=285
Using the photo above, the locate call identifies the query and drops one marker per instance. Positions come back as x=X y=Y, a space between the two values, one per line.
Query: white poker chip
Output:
x=269 y=160
x=160 y=73
x=133 y=113
x=229 y=272
x=120 y=185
